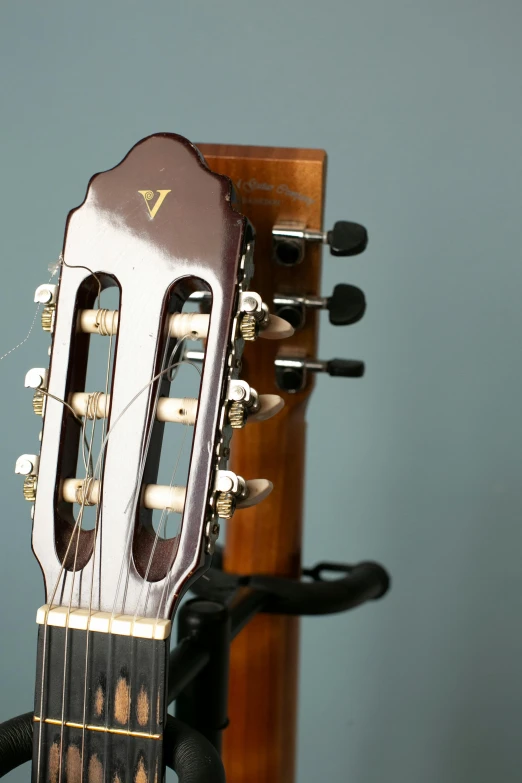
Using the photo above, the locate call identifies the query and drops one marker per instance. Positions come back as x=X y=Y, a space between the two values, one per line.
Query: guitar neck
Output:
x=103 y=698
x=275 y=185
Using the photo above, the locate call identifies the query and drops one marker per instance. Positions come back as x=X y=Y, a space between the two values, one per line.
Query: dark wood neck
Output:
x=103 y=708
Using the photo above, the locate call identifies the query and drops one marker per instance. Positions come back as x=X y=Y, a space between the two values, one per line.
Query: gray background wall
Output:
x=418 y=105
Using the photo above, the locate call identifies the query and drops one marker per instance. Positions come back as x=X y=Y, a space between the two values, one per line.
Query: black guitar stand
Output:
x=198 y=669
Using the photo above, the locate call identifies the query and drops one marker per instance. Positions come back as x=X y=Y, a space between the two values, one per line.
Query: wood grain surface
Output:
x=274 y=185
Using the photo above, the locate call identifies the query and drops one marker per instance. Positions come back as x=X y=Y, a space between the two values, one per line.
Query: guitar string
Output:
x=75 y=532
x=53 y=268
x=169 y=368
x=132 y=678
x=155 y=708
x=77 y=526
x=134 y=500
x=35 y=316
x=162 y=526
x=159 y=532
x=166 y=586
x=76 y=529
x=84 y=493
x=171 y=378
x=128 y=544
x=134 y=496
x=96 y=527
x=84 y=499
x=78 y=419
x=171 y=375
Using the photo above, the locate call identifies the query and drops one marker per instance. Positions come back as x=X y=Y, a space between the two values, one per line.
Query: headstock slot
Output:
x=89 y=358
x=168 y=461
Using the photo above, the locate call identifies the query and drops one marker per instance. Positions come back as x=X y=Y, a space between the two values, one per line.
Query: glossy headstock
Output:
x=159 y=227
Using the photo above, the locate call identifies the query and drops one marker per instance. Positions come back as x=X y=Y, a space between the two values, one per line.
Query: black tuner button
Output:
x=289 y=240
x=292 y=371
x=345 y=368
x=347 y=239
x=346 y=305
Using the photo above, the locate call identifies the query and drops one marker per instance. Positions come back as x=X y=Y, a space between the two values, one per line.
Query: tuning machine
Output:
x=289 y=240
x=256 y=320
x=247 y=405
x=46 y=294
x=36 y=379
x=292 y=372
x=27 y=465
x=345 y=306
x=233 y=492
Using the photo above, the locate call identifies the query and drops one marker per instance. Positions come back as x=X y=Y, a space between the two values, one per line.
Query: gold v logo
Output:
x=148 y=195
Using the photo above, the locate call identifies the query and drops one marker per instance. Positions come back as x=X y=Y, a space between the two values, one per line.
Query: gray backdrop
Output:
x=418 y=105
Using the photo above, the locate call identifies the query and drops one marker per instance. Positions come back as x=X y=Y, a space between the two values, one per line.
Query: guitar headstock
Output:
x=282 y=191
x=160 y=228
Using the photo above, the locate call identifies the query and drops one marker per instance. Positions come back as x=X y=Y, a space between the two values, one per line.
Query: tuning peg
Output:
x=341 y=368
x=36 y=379
x=292 y=372
x=289 y=239
x=27 y=465
x=347 y=239
x=255 y=321
x=247 y=405
x=46 y=294
x=269 y=406
x=346 y=305
x=233 y=492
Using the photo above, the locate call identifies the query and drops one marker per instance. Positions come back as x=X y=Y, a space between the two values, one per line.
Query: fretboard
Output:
x=99 y=707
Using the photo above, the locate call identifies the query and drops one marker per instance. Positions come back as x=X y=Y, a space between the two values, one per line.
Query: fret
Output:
x=88 y=727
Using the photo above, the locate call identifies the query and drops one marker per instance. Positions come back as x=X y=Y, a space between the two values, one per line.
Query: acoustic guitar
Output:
x=159 y=228
x=161 y=255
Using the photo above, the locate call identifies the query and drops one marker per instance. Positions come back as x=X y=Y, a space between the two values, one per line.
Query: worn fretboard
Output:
x=100 y=707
